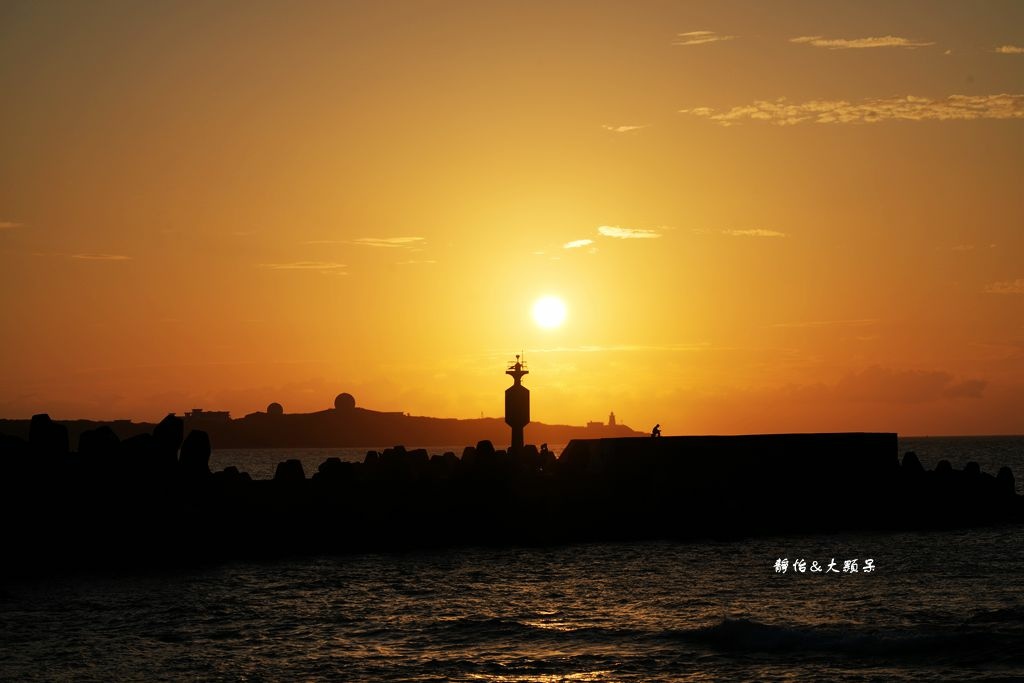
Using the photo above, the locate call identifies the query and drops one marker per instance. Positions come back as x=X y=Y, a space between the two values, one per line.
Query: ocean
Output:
x=942 y=605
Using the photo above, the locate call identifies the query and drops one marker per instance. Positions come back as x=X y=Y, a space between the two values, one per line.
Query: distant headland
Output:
x=343 y=425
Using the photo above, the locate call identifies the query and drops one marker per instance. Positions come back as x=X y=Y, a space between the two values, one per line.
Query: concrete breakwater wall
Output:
x=152 y=500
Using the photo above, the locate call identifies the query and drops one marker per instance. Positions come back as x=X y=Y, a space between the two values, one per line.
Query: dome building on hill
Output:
x=275 y=409
x=344 y=402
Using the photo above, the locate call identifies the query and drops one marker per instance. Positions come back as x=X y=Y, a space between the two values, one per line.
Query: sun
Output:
x=549 y=312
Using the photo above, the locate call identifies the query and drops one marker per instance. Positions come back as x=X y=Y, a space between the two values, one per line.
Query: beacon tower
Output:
x=517 y=403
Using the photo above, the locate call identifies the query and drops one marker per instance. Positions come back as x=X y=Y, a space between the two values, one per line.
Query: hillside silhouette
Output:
x=343 y=425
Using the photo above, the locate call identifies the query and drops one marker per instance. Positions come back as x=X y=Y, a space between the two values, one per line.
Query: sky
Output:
x=761 y=217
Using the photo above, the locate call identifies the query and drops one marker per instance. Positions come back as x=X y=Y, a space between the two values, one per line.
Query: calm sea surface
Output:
x=938 y=606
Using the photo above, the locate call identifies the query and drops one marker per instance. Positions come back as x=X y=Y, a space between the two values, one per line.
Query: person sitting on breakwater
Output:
x=657 y=430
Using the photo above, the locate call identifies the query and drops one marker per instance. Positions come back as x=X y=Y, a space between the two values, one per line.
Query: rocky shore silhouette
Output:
x=151 y=500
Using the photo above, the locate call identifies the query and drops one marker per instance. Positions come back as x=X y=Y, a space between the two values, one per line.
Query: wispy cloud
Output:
x=390 y=242
x=754 y=232
x=860 y=322
x=322 y=266
x=625 y=129
x=8 y=225
x=782 y=112
x=576 y=244
x=102 y=257
x=971 y=247
x=699 y=38
x=1006 y=287
x=859 y=43
x=1010 y=50
x=627 y=233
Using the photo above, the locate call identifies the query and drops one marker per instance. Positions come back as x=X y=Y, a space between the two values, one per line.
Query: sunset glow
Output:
x=549 y=312
x=780 y=216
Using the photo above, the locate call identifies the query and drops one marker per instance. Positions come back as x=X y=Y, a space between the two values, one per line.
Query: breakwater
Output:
x=152 y=500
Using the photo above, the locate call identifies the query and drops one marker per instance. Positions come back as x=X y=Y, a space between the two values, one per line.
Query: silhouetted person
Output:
x=656 y=431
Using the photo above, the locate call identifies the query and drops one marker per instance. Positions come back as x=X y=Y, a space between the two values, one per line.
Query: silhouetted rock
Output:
x=332 y=463
x=290 y=472
x=231 y=475
x=101 y=442
x=911 y=464
x=12 y=446
x=393 y=456
x=167 y=438
x=195 y=454
x=548 y=460
x=601 y=489
x=137 y=448
x=1005 y=481
x=46 y=437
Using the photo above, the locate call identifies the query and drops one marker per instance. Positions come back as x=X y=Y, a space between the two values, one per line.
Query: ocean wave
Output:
x=746 y=635
x=737 y=636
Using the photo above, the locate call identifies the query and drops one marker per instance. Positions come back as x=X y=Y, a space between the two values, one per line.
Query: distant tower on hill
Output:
x=611 y=419
x=517 y=403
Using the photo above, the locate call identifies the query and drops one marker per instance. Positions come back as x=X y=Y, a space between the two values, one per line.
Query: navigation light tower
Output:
x=517 y=403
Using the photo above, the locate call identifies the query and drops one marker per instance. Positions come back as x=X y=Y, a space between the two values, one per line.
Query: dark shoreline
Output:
x=151 y=501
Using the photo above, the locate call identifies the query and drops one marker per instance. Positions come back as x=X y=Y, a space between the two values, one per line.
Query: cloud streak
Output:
x=625 y=129
x=627 y=233
x=390 y=242
x=782 y=112
x=754 y=232
x=576 y=244
x=322 y=266
x=861 y=322
x=10 y=225
x=1006 y=287
x=101 y=257
x=699 y=38
x=1010 y=50
x=859 y=43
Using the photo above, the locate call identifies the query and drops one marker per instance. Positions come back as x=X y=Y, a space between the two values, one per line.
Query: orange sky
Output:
x=801 y=216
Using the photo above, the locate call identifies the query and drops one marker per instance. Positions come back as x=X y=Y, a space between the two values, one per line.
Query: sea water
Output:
x=945 y=605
